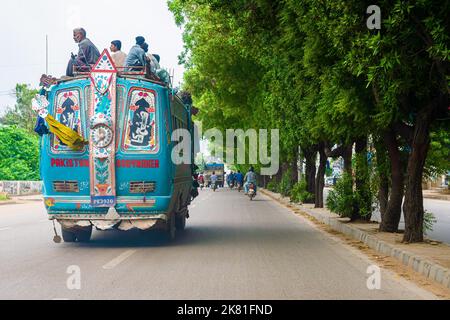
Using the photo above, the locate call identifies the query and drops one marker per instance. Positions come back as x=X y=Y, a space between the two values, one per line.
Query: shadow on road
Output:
x=206 y=235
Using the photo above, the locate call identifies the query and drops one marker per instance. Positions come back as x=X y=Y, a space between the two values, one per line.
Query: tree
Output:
x=19 y=155
x=292 y=65
x=22 y=115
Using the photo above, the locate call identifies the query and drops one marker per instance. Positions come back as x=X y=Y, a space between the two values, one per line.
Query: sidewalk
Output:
x=439 y=194
x=430 y=258
x=21 y=199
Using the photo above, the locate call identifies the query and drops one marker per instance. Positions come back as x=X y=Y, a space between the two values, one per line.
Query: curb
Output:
x=430 y=270
x=437 y=197
x=4 y=203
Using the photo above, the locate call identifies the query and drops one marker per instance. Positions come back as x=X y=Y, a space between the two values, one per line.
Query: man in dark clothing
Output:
x=88 y=53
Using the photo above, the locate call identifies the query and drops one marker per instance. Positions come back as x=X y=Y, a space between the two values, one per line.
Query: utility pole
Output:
x=46 y=54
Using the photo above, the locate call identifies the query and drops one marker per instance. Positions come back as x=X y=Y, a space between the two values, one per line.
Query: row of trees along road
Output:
x=313 y=69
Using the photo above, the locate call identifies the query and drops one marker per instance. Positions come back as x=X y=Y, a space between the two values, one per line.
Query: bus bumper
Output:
x=128 y=213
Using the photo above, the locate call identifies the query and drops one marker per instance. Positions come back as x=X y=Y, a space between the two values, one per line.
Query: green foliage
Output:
x=438 y=160
x=3 y=197
x=429 y=220
x=22 y=115
x=363 y=195
x=285 y=185
x=19 y=154
x=341 y=199
x=272 y=186
x=299 y=192
x=313 y=70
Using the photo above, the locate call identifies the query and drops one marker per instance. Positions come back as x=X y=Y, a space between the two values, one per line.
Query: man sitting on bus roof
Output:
x=88 y=53
x=117 y=55
x=136 y=56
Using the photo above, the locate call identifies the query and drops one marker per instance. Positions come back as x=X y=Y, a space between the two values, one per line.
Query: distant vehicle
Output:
x=251 y=191
x=219 y=169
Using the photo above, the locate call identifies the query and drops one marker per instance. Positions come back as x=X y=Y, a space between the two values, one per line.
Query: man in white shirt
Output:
x=117 y=55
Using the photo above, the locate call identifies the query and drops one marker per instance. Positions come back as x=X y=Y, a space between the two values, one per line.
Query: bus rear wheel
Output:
x=180 y=221
x=84 y=235
x=171 y=229
x=68 y=236
x=72 y=235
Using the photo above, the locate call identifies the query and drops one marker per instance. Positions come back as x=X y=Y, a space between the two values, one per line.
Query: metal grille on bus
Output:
x=66 y=186
x=142 y=186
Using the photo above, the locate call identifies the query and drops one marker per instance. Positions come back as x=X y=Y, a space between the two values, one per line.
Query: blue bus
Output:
x=124 y=177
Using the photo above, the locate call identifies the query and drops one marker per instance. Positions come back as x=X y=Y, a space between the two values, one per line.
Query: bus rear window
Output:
x=140 y=130
x=67 y=110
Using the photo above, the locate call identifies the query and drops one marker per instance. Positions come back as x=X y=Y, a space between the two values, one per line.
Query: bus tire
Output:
x=68 y=236
x=170 y=232
x=180 y=222
x=84 y=235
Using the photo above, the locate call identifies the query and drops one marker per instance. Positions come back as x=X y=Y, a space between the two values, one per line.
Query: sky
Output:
x=24 y=25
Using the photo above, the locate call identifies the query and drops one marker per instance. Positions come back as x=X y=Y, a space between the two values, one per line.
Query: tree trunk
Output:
x=310 y=170
x=294 y=168
x=320 y=178
x=413 y=206
x=278 y=175
x=347 y=156
x=383 y=186
x=391 y=218
x=363 y=208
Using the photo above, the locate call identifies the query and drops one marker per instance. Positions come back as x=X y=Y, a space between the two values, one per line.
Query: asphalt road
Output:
x=231 y=249
x=441 y=211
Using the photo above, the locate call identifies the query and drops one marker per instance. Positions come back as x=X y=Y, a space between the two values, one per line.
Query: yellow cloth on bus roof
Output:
x=68 y=136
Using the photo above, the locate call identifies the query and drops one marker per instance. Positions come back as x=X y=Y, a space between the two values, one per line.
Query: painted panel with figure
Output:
x=67 y=112
x=140 y=129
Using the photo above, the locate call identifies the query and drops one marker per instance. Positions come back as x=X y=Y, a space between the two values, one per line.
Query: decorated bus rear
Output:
x=123 y=176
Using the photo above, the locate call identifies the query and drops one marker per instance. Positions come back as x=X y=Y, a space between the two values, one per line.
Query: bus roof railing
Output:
x=135 y=70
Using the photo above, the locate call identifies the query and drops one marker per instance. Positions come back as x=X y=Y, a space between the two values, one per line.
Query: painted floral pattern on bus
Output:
x=140 y=134
x=67 y=112
x=102 y=132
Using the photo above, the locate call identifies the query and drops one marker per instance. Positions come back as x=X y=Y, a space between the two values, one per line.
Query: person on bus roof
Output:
x=150 y=59
x=136 y=56
x=117 y=55
x=88 y=53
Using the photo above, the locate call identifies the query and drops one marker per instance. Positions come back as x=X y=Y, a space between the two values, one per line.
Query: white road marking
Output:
x=118 y=260
x=4 y=229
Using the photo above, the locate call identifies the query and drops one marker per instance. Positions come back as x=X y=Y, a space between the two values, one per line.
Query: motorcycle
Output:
x=239 y=187
x=251 y=191
x=214 y=186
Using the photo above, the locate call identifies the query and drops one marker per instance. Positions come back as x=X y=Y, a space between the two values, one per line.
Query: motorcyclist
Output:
x=230 y=179
x=249 y=178
x=239 y=177
x=201 y=180
x=214 y=179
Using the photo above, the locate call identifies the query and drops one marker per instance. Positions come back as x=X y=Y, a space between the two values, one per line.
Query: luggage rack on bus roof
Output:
x=138 y=73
